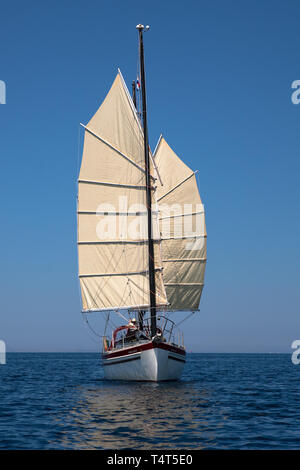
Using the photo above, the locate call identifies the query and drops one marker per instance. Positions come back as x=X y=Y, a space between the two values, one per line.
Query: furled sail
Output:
x=182 y=227
x=112 y=212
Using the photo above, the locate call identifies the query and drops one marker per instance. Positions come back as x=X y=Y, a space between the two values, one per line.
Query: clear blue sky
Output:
x=219 y=80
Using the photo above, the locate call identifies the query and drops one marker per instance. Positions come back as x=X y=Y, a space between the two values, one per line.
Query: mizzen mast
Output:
x=152 y=286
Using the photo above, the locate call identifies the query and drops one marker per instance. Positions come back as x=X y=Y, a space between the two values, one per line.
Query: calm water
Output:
x=230 y=401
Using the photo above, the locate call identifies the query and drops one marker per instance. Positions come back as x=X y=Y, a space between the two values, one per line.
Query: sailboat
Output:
x=141 y=238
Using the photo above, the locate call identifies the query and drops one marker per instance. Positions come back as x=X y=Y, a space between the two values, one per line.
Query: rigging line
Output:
x=106 y=323
x=188 y=316
x=115 y=149
x=90 y=295
x=99 y=291
x=120 y=314
x=122 y=301
x=112 y=325
x=131 y=296
x=110 y=322
x=86 y=322
x=177 y=185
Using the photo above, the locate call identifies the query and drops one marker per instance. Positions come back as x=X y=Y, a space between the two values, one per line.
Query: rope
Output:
x=191 y=314
x=106 y=323
x=90 y=327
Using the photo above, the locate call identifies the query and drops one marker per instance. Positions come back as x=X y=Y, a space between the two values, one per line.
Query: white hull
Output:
x=145 y=362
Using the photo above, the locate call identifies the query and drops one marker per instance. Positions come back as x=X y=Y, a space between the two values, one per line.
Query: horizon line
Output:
x=97 y=352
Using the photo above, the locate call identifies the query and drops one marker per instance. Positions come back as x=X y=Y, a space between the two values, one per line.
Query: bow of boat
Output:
x=145 y=361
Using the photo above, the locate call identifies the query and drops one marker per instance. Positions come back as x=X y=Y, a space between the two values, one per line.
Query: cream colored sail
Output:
x=182 y=227
x=112 y=220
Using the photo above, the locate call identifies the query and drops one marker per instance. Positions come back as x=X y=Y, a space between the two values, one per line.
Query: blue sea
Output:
x=224 y=401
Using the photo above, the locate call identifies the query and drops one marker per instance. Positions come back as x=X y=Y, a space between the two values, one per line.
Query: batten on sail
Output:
x=112 y=222
x=183 y=231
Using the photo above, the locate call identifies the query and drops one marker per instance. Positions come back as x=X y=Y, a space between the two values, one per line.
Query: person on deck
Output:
x=132 y=328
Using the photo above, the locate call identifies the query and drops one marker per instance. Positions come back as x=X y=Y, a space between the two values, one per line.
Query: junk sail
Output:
x=112 y=216
x=183 y=231
x=112 y=212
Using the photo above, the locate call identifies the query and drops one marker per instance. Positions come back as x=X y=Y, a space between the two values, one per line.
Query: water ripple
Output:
x=231 y=401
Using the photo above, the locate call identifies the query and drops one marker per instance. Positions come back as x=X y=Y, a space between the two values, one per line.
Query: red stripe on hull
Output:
x=144 y=347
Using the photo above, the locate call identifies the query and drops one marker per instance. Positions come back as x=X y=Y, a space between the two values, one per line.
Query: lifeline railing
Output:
x=166 y=328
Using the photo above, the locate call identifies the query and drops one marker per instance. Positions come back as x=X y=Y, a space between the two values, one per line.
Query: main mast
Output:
x=148 y=187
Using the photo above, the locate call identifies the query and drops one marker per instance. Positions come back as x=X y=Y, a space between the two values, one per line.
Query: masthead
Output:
x=142 y=27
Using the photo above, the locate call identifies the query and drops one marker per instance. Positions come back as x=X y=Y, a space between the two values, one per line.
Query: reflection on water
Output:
x=139 y=416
